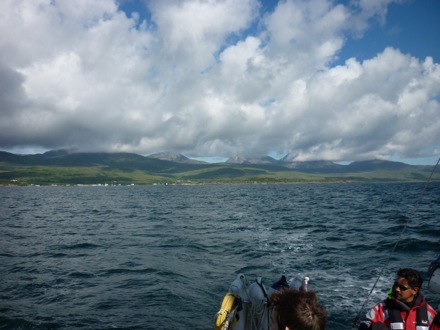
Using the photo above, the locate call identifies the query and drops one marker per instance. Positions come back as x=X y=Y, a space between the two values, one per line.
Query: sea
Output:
x=163 y=257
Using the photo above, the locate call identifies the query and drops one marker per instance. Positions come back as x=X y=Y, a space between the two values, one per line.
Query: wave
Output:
x=163 y=258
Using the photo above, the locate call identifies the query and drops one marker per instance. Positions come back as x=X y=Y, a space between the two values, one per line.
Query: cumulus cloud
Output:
x=210 y=78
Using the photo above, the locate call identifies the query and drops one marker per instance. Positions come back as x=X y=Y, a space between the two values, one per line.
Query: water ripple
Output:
x=163 y=256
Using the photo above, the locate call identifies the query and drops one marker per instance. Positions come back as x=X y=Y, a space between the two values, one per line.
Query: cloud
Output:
x=210 y=78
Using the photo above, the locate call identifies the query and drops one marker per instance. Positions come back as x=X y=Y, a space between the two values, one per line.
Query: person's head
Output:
x=297 y=310
x=407 y=285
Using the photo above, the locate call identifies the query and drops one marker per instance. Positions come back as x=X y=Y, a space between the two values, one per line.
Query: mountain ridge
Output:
x=236 y=160
x=66 y=166
x=175 y=157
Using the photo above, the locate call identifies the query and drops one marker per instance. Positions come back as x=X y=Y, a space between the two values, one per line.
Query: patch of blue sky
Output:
x=253 y=30
x=268 y=102
x=237 y=37
x=412 y=27
x=277 y=154
x=136 y=7
x=417 y=161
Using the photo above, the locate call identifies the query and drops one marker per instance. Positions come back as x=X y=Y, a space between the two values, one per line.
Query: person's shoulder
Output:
x=386 y=302
x=436 y=322
x=381 y=305
x=431 y=310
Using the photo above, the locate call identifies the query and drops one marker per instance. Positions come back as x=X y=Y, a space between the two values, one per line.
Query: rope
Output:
x=357 y=318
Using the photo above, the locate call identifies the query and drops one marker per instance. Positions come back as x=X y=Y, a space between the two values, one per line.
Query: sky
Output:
x=212 y=79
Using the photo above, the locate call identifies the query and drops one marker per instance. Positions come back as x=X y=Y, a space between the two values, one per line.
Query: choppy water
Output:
x=162 y=257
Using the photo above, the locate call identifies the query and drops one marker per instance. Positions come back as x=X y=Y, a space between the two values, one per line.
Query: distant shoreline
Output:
x=214 y=184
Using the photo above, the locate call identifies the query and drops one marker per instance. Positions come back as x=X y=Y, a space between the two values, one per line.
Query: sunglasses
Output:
x=402 y=287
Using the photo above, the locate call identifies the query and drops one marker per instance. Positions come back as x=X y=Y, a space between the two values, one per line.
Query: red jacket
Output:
x=383 y=311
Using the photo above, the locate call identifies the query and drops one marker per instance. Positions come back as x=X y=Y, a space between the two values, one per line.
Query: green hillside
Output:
x=62 y=168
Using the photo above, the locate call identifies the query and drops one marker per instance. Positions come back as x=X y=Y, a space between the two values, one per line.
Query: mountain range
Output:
x=68 y=167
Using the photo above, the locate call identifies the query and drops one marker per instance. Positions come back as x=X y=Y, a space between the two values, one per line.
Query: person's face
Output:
x=403 y=291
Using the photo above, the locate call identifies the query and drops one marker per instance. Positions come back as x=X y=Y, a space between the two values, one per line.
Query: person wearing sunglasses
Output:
x=405 y=307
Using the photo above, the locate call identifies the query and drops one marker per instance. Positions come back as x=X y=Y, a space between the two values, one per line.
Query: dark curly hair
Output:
x=299 y=310
x=413 y=277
